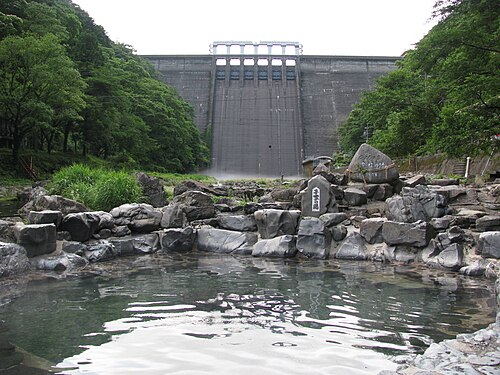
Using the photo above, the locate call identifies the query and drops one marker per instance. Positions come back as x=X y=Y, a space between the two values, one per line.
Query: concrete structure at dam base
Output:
x=267 y=106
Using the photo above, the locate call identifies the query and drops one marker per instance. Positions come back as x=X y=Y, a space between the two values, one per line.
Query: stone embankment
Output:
x=369 y=213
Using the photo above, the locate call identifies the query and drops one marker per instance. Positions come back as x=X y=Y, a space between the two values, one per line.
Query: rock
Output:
x=58 y=203
x=173 y=216
x=7 y=231
x=476 y=268
x=177 y=239
x=352 y=248
x=451 y=257
x=416 y=234
x=273 y=223
x=489 y=244
x=121 y=231
x=371 y=230
x=404 y=254
x=488 y=223
x=139 y=217
x=383 y=192
x=241 y=223
x=418 y=179
x=191 y=185
x=124 y=246
x=451 y=192
x=283 y=195
x=338 y=232
x=58 y=263
x=37 y=239
x=333 y=218
x=13 y=259
x=74 y=247
x=152 y=189
x=371 y=166
x=318 y=198
x=106 y=220
x=282 y=247
x=441 y=223
x=444 y=181
x=81 y=226
x=354 y=197
x=313 y=238
x=45 y=217
x=225 y=241
x=146 y=243
x=100 y=251
x=196 y=205
x=369 y=189
x=419 y=203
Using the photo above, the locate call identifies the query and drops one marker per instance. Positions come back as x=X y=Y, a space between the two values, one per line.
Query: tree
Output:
x=37 y=81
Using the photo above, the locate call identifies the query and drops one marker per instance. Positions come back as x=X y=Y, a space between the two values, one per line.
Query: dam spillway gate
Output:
x=267 y=106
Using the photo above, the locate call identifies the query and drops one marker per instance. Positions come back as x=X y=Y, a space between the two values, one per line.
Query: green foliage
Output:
x=443 y=97
x=98 y=189
x=64 y=83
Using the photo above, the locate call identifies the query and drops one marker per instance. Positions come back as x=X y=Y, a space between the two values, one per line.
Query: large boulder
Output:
x=45 y=217
x=146 y=243
x=58 y=203
x=196 y=205
x=313 y=238
x=273 y=223
x=318 y=198
x=489 y=244
x=173 y=216
x=37 y=239
x=13 y=259
x=488 y=223
x=372 y=166
x=152 y=189
x=354 y=196
x=332 y=219
x=352 y=248
x=241 y=223
x=283 y=247
x=7 y=231
x=178 y=239
x=416 y=234
x=419 y=203
x=139 y=217
x=58 y=263
x=192 y=185
x=225 y=241
x=100 y=251
x=371 y=230
x=81 y=226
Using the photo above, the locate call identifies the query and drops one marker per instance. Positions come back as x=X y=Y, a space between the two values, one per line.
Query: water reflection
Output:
x=209 y=313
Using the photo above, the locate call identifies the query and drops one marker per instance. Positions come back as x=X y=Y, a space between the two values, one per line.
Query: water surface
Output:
x=204 y=313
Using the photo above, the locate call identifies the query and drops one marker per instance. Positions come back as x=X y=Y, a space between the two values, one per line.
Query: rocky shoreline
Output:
x=368 y=213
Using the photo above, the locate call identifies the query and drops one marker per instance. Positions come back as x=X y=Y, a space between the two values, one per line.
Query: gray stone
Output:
x=418 y=179
x=100 y=251
x=74 y=247
x=419 y=203
x=139 y=217
x=106 y=220
x=81 y=226
x=488 y=223
x=13 y=259
x=369 y=189
x=313 y=238
x=152 y=189
x=371 y=230
x=451 y=257
x=404 y=254
x=444 y=181
x=58 y=203
x=489 y=244
x=124 y=245
x=192 y=185
x=173 y=216
x=121 y=231
x=372 y=166
x=37 y=239
x=103 y=234
x=196 y=205
x=45 y=217
x=383 y=192
x=177 y=239
x=332 y=219
x=416 y=234
x=241 y=223
x=338 y=232
x=7 y=231
x=441 y=223
x=283 y=247
x=225 y=241
x=58 y=263
x=273 y=223
x=354 y=197
x=476 y=268
x=318 y=198
x=146 y=243
x=352 y=248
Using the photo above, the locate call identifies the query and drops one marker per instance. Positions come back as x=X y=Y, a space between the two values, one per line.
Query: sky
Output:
x=323 y=27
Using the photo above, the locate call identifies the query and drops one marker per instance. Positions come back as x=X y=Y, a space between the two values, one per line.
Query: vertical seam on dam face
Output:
x=265 y=119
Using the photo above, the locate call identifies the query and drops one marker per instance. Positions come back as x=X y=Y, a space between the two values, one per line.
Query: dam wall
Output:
x=268 y=113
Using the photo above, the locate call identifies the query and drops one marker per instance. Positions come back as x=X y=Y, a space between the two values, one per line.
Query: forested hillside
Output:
x=445 y=94
x=65 y=86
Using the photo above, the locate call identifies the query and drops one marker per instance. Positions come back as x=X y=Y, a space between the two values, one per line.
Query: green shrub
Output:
x=64 y=180
x=113 y=189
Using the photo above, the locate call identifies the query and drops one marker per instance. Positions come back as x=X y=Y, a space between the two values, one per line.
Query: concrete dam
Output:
x=266 y=106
